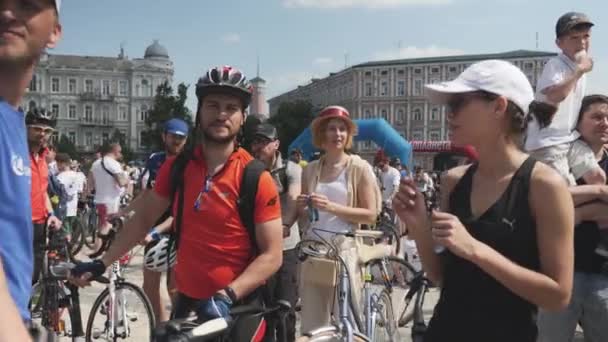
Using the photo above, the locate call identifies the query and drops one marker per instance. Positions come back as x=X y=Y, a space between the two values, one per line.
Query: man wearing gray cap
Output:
x=27 y=28
x=553 y=140
x=287 y=176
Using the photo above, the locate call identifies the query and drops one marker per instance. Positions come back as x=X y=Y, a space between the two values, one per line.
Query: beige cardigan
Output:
x=356 y=169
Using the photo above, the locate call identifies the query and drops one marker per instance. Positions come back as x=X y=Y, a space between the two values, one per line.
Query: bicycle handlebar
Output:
x=62 y=270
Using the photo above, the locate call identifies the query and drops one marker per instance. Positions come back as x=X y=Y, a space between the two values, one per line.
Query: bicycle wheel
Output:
x=132 y=315
x=329 y=334
x=385 y=326
x=90 y=229
x=78 y=237
x=396 y=275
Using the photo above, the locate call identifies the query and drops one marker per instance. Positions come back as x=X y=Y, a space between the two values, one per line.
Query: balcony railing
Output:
x=96 y=96
x=84 y=121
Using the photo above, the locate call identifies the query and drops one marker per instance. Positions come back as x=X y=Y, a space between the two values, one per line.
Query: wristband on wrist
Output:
x=155 y=235
x=231 y=294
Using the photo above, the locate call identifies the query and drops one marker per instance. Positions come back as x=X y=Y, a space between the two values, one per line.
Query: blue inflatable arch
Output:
x=376 y=130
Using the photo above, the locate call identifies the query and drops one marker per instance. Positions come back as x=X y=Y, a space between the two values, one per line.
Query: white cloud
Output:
x=231 y=38
x=320 y=61
x=416 y=52
x=360 y=3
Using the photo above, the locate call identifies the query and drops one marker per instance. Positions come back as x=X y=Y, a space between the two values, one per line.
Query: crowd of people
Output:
x=515 y=240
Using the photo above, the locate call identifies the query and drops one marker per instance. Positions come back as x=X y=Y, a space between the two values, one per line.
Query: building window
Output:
x=529 y=66
x=141 y=138
x=400 y=72
x=418 y=87
x=34 y=83
x=88 y=114
x=368 y=114
x=105 y=88
x=123 y=132
x=384 y=72
x=384 y=114
x=72 y=86
x=31 y=105
x=383 y=88
x=435 y=114
x=417 y=135
x=453 y=69
x=72 y=137
x=368 y=73
x=88 y=139
x=417 y=114
x=122 y=88
x=368 y=89
x=417 y=71
x=143 y=113
x=105 y=115
x=434 y=70
x=122 y=114
x=55 y=137
x=434 y=136
x=88 y=86
x=55 y=85
x=146 y=88
x=401 y=88
x=72 y=112
x=105 y=137
x=55 y=110
x=400 y=116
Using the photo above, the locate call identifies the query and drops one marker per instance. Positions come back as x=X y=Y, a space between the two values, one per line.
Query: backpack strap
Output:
x=177 y=188
x=247 y=194
x=283 y=179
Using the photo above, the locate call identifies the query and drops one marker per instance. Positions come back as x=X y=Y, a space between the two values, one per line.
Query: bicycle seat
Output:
x=209 y=328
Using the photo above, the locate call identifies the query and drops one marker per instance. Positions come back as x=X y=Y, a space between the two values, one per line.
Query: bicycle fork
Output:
x=343 y=300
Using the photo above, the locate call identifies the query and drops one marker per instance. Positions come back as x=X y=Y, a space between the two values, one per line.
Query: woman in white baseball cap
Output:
x=506 y=221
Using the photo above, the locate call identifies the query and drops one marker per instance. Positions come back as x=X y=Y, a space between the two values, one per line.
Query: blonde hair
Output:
x=318 y=132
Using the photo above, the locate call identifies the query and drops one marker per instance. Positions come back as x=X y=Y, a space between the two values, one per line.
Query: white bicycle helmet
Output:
x=155 y=258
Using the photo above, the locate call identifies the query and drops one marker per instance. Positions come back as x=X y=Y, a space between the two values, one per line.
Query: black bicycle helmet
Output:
x=40 y=116
x=225 y=80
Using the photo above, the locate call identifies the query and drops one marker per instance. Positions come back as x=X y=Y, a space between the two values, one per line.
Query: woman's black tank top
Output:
x=473 y=306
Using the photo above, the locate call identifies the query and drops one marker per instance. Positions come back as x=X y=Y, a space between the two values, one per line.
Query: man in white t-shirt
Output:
x=390 y=178
x=72 y=183
x=107 y=178
x=562 y=83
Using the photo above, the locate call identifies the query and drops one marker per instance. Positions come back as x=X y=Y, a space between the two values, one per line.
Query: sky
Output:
x=296 y=40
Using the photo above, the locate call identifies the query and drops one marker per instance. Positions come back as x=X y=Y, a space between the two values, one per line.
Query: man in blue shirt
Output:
x=174 y=136
x=27 y=28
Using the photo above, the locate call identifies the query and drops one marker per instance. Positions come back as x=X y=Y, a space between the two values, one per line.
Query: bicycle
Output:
x=113 y=304
x=219 y=329
x=53 y=294
x=378 y=317
x=88 y=222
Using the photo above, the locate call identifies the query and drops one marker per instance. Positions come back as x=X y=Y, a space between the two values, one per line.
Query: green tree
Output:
x=127 y=152
x=65 y=145
x=291 y=119
x=167 y=105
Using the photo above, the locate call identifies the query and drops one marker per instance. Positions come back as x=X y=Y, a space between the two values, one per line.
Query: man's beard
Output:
x=209 y=138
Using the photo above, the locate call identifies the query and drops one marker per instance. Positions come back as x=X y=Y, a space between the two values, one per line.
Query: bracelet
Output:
x=155 y=235
x=231 y=294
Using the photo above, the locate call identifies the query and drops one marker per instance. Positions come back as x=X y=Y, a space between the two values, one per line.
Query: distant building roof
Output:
x=156 y=51
x=89 y=62
x=258 y=79
x=460 y=58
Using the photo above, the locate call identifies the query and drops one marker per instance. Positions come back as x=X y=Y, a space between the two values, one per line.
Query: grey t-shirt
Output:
x=293 y=174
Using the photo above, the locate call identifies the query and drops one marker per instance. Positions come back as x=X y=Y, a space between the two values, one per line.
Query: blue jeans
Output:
x=589 y=305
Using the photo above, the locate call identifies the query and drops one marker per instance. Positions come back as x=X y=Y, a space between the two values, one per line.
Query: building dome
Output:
x=156 y=51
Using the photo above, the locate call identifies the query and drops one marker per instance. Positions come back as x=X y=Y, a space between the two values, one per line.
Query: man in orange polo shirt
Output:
x=40 y=127
x=216 y=265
